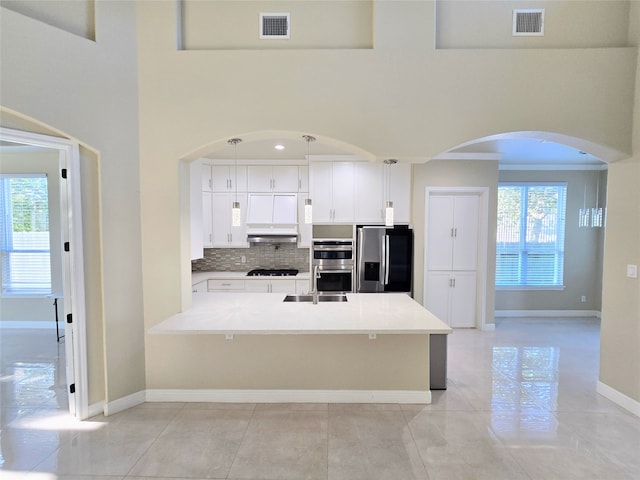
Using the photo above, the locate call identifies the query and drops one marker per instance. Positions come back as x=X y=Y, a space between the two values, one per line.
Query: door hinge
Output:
x=63 y=173
x=67 y=247
x=69 y=318
x=72 y=388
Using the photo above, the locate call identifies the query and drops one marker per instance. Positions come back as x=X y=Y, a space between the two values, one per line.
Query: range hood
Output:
x=272 y=235
x=272 y=218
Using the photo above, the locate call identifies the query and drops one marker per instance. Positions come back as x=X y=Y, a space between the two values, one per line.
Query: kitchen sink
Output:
x=321 y=298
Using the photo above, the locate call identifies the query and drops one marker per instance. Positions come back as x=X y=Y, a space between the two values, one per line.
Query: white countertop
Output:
x=266 y=313
x=197 y=277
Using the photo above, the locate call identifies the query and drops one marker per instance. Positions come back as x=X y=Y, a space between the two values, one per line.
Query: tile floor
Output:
x=521 y=404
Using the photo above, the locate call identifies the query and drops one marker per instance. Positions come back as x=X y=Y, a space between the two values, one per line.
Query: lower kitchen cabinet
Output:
x=222 y=285
x=254 y=285
x=303 y=286
x=451 y=296
x=270 y=286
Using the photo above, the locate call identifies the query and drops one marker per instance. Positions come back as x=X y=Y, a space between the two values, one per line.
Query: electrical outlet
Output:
x=243 y=259
x=632 y=271
x=583 y=298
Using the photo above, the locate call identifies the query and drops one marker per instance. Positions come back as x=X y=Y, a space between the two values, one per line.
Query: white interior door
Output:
x=74 y=311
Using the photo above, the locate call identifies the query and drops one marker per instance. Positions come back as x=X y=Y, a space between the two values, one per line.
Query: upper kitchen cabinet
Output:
x=400 y=191
x=369 y=192
x=331 y=190
x=303 y=178
x=376 y=183
x=223 y=178
x=224 y=234
x=452 y=232
x=273 y=178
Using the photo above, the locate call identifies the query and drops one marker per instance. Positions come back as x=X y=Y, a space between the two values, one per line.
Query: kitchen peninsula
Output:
x=253 y=347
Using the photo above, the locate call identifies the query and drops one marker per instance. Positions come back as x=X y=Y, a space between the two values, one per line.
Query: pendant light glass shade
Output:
x=388 y=215
x=308 y=205
x=308 y=211
x=236 y=214
x=388 y=211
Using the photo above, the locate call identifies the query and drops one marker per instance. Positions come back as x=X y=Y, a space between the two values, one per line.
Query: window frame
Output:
x=558 y=250
x=7 y=246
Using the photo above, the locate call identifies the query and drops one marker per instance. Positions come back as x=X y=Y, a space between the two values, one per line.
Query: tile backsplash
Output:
x=256 y=256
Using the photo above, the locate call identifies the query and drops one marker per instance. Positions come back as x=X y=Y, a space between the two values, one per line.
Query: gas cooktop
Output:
x=266 y=272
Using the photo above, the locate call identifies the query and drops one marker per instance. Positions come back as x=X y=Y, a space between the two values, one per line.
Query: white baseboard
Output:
x=95 y=409
x=619 y=398
x=547 y=313
x=290 y=396
x=124 y=403
x=488 y=327
x=30 y=324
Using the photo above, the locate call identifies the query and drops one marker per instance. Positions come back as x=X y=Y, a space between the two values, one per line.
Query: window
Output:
x=24 y=234
x=530 y=237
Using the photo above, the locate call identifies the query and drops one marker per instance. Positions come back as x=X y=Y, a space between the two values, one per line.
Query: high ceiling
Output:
x=512 y=153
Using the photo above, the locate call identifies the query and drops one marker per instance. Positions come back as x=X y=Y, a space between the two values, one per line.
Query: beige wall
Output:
x=88 y=91
x=620 y=331
x=567 y=24
x=583 y=248
x=228 y=24
x=142 y=106
x=457 y=173
x=289 y=362
x=37 y=160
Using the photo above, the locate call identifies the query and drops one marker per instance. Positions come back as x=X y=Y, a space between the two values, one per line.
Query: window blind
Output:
x=24 y=234
x=530 y=236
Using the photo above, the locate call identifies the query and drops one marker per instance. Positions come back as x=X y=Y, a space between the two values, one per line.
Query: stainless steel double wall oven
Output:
x=334 y=259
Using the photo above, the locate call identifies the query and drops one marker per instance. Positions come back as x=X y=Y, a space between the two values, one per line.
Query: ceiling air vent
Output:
x=275 y=25
x=528 y=22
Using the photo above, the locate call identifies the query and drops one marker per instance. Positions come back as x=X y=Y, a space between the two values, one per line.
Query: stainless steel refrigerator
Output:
x=384 y=259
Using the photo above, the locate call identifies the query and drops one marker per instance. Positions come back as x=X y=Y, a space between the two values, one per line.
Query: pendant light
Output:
x=597 y=219
x=388 y=211
x=584 y=214
x=308 y=207
x=236 y=218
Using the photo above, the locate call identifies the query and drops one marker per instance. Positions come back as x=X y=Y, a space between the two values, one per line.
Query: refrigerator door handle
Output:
x=383 y=261
x=386 y=260
x=360 y=260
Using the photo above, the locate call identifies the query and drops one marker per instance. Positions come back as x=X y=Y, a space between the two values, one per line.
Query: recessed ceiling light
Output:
x=279 y=147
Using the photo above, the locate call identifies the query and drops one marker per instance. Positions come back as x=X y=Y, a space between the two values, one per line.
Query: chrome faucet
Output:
x=314 y=284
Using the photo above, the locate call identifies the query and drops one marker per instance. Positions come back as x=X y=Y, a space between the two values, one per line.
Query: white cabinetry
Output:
x=273 y=178
x=332 y=192
x=373 y=192
x=224 y=234
x=451 y=296
x=276 y=209
x=452 y=233
x=270 y=286
x=222 y=178
x=452 y=257
x=369 y=192
x=253 y=285
x=304 y=229
x=207 y=219
x=303 y=286
x=400 y=191
x=303 y=178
